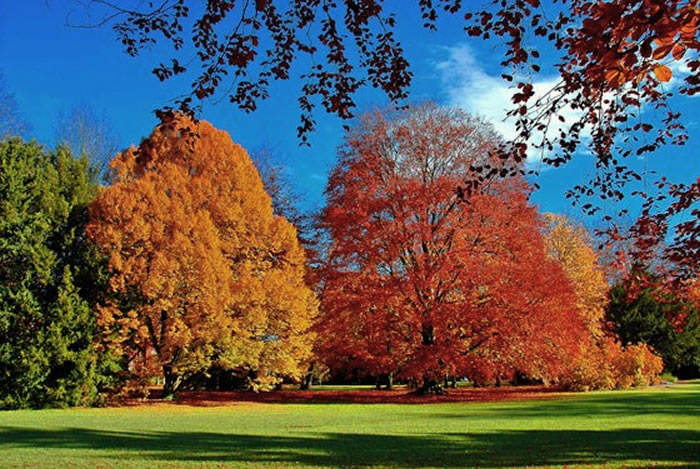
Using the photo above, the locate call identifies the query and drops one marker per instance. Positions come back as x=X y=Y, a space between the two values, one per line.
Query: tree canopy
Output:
x=614 y=59
x=204 y=275
x=572 y=246
x=421 y=283
x=12 y=123
x=48 y=276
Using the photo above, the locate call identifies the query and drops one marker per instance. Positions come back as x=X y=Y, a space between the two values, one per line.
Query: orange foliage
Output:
x=691 y=290
x=203 y=273
x=637 y=365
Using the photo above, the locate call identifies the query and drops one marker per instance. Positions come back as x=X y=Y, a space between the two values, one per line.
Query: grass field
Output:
x=646 y=428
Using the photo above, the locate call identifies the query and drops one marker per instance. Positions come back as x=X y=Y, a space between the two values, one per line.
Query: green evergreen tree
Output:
x=659 y=319
x=49 y=278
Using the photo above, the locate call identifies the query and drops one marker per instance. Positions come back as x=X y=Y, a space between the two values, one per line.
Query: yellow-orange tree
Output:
x=204 y=275
x=570 y=244
x=602 y=362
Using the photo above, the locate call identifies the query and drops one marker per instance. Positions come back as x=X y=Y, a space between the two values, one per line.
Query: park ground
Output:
x=527 y=427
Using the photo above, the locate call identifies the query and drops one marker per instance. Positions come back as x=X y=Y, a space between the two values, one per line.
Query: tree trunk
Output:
x=428 y=334
x=308 y=379
x=171 y=381
x=431 y=386
x=390 y=381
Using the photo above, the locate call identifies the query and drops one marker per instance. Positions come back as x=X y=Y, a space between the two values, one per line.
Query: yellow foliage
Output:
x=605 y=364
x=602 y=363
x=637 y=366
x=570 y=245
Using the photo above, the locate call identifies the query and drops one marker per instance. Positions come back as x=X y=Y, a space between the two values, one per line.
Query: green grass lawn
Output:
x=647 y=428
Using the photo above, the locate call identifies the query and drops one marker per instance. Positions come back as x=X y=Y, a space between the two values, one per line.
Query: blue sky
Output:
x=51 y=67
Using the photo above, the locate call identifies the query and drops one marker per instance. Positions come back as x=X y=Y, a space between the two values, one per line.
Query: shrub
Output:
x=638 y=366
x=606 y=364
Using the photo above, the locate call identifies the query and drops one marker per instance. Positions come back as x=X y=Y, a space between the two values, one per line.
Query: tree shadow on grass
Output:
x=501 y=449
x=617 y=404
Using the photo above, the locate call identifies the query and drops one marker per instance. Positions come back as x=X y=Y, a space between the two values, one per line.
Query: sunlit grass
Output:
x=655 y=427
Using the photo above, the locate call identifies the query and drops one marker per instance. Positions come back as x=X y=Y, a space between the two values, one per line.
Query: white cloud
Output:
x=680 y=70
x=470 y=87
x=467 y=85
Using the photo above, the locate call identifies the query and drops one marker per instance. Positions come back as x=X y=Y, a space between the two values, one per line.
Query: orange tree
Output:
x=204 y=275
x=424 y=282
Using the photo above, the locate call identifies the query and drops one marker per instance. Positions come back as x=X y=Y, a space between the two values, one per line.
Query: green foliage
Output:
x=46 y=322
x=668 y=377
x=658 y=318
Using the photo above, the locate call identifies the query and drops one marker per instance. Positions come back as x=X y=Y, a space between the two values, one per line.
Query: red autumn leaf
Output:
x=678 y=51
x=613 y=77
x=662 y=51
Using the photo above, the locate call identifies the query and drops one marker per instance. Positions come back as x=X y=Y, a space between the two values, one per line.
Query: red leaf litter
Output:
x=368 y=396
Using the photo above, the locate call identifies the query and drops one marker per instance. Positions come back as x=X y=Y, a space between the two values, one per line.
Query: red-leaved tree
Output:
x=424 y=282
